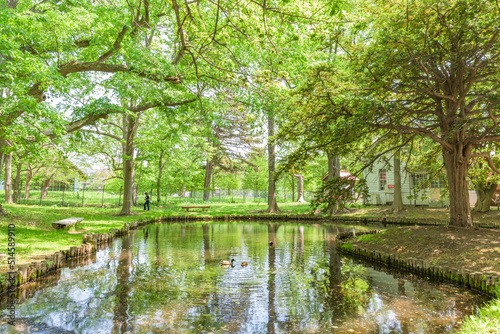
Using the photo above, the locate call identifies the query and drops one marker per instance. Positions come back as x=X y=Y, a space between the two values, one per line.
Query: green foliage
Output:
x=337 y=193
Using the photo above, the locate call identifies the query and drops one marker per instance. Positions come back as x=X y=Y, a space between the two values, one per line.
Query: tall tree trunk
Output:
x=333 y=171
x=27 y=184
x=300 y=188
x=397 y=204
x=484 y=195
x=17 y=185
x=457 y=168
x=272 y=205
x=293 y=188
x=46 y=184
x=208 y=177
x=135 y=187
x=130 y=124
x=158 y=178
x=8 y=178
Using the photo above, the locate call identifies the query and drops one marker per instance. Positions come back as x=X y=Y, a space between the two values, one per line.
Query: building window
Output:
x=437 y=183
x=382 y=177
x=418 y=178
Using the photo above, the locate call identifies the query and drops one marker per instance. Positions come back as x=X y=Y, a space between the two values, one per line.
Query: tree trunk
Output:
x=46 y=184
x=333 y=171
x=158 y=179
x=272 y=205
x=208 y=177
x=27 y=184
x=300 y=188
x=484 y=196
x=130 y=126
x=8 y=178
x=293 y=188
x=135 y=187
x=457 y=168
x=397 y=205
x=17 y=185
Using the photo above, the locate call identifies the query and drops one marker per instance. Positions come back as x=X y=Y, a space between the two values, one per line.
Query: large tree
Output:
x=426 y=69
x=431 y=69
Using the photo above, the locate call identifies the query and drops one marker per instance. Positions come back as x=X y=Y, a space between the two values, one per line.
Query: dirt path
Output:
x=474 y=249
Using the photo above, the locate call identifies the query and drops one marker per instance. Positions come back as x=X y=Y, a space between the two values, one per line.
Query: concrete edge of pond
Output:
x=484 y=284
x=92 y=241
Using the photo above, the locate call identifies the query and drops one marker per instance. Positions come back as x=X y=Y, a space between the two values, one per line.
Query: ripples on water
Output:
x=169 y=280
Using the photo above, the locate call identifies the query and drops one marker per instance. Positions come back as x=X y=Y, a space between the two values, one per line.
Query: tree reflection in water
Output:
x=168 y=278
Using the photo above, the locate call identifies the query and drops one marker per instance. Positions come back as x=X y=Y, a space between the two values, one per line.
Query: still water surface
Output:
x=167 y=279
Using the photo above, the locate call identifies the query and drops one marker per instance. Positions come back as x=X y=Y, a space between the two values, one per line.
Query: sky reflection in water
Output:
x=170 y=280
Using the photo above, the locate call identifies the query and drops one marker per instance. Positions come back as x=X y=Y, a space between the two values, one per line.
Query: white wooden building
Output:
x=381 y=186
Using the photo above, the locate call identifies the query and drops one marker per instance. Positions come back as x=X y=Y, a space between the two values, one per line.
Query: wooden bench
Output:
x=63 y=223
x=202 y=207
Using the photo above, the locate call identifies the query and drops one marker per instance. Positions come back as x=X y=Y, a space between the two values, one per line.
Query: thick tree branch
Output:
x=116 y=46
x=488 y=159
x=77 y=67
x=102 y=133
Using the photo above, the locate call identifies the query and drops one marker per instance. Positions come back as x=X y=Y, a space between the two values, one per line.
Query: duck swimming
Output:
x=244 y=263
x=227 y=263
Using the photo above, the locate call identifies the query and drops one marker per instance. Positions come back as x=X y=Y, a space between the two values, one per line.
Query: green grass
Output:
x=374 y=238
x=487 y=321
x=111 y=198
x=346 y=246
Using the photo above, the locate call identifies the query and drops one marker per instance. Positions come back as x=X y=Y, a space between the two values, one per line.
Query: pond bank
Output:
x=469 y=257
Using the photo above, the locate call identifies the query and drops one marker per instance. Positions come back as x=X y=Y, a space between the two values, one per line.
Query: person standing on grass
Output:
x=146 y=203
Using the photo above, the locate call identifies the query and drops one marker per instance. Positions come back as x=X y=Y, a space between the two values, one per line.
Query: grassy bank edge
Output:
x=486 y=321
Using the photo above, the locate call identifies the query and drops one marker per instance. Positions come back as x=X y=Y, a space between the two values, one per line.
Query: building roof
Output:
x=343 y=174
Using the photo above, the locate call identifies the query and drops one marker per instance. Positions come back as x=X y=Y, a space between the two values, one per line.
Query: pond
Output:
x=167 y=279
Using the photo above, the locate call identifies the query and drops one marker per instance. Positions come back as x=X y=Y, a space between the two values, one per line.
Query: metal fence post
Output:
x=83 y=193
x=41 y=192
